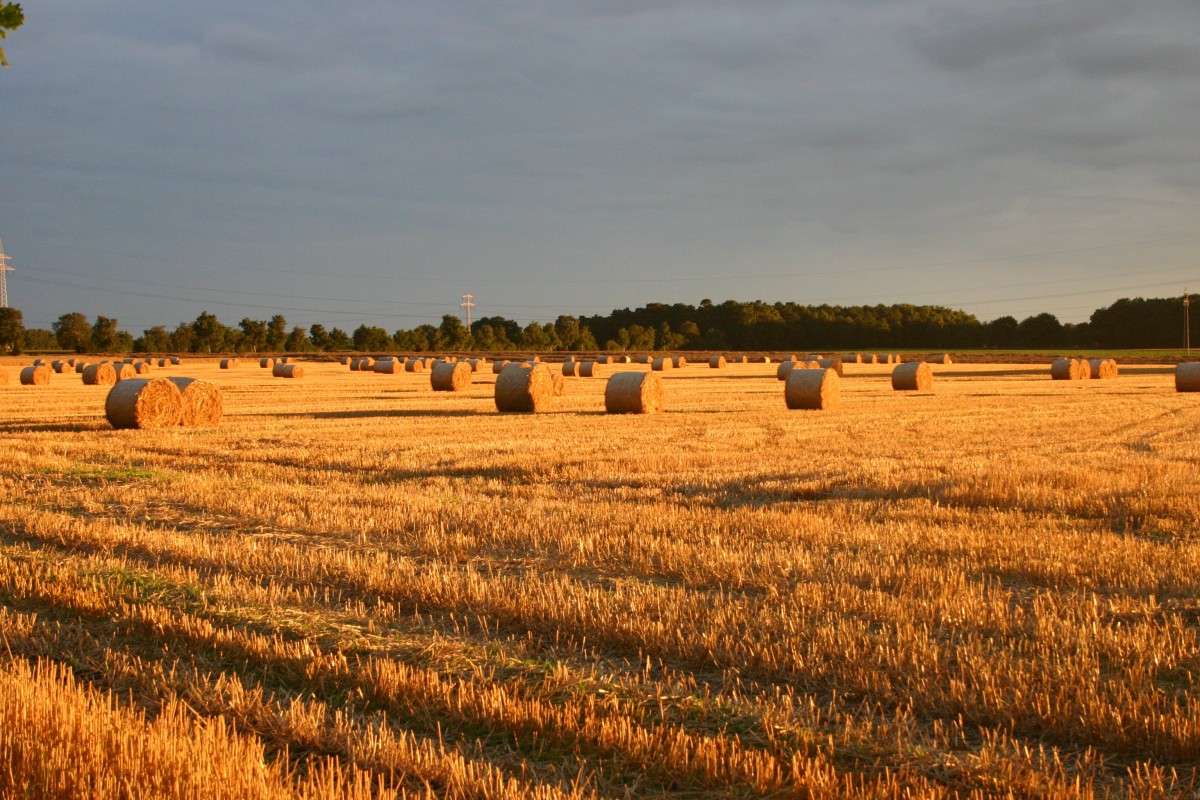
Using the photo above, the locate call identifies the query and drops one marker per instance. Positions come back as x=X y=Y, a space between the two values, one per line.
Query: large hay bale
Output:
x=524 y=388
x=1103 y=368
x=450 y=376
x=388 y=366
x=365 y=364
x=915 y=376
x=414 y=365
x=633 y=393
x=291 y=371
x=125 y=371
x=716 y=362
x=36 y=376
x=344 y=361
x=784 y=368
x=590 y=369
x=102 y=374
x=570 y=369
x=662 y=364
x=144 y=403
x=203 y=405
x=1187 y=377
x=834 y=364
x=498 y=366
x=175 y=360
x=1070 y=369
x=678 y=362
x=813 y=389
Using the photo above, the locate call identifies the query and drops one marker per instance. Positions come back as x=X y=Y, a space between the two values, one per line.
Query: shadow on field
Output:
x=385 y=413
x=993 y=373
x=61 y=427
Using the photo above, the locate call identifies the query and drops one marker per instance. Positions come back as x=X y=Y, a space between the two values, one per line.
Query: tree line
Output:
x=731 y=325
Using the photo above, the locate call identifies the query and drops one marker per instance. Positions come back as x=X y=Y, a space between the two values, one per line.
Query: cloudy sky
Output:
x=372 y=161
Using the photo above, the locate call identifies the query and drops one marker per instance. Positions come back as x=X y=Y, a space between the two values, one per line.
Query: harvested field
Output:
x=369 y=584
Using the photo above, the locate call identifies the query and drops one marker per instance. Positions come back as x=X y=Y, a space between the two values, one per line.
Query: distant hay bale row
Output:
x=915 y=376
x=450 y=376
x=1070 y=369
x=145 y=403
x=812 y=389
x=388 y=366
x=1103 y=368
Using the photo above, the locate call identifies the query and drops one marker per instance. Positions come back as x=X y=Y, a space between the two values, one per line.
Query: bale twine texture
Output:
x=203 y=405
x=36 y=376
x=633 y=393
x=662 y=364
x=527 y=388
x=915 y=376
x=291 y=371
x=103 y=374
x=716 y=362
x=1103 y=368
x=450 y=376
x=1070 y=369
x=1187 y=377
x=678 y=362
x=570 y=369
x=590 y=369
x=812 y=389
x=144 y=403
x=784 y=368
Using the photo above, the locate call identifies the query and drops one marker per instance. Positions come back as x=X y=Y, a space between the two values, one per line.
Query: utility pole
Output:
x=4 y=269
x=1187 y=328
x=468 y=305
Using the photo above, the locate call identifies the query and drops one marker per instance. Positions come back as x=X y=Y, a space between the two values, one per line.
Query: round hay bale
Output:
x=643 y=359
x=365 y=364
x=265 y=363
x=58 y=366
x=142 y=367
x=534 y=359
x=785 y=368
x=356 y=365
x=39 y=362
x=162 y=362
x=834 y=364
x=1102 y=368
x=175 y=360
x=590 y=369
x=203 y=405
x=125 y=371
x=80 y=366
x=559 y=383
x=36 y=376
x=291 y=371
x=813 y=389
x=633 y=393
x=277 y=369
x=144 y=403
x=1070 y=369
x=662 y=364
x=388 y=366
x=284 y=359
x=344 y=361
x=498 y=366
x=524 y=388
x=103 y=374
x=228 y=363
x=450 y=376
x=414 y=365
x=852 y=358
x=678 y=362
x=621 y=360
x=716 y=362
x=944 y=358
x=915 y=376
x=1187 y=377
x=570 y=369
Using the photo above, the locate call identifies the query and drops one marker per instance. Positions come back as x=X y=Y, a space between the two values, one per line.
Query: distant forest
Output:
x=731 y=325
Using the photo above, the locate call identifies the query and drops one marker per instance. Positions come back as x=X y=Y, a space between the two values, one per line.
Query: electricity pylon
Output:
x=4 y=270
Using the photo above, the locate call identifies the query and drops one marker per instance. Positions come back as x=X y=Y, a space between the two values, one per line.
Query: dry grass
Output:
x=357 y=585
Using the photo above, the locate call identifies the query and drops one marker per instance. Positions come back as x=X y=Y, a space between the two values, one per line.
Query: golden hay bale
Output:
x=39 y=362
x=590 y=369
x=264 y=363
x=534 y=359
x=102 y=374
x=662 y=364
x=621 y=360
x=365 y=364
x=570 y=369
x=852 y=358
x=203 y=405
x=944 y=358
x=80 y=366
x=1187 y=377
x=277 y=369
x=58 y=366
x=450 y=376
x=1103 y=368
x=291 y=371
x=525 y=388
x=1070 y=369
x=643 y=359
x=633 y=393
x=414 y=365
x=559 y=383
x=228 y=363
x=144 y=403
x=162 y=362
x=814 y=389
x=142 y=367
x=175 y=360
x=125 y=371
x=388 y=366
x=344 y=361
x=785 y=367
x=498 y=366
x=915 y=376
x=678 y=362
x=870 y=358
x=716 y=362
x=36 y=376
x=834 y=364
x=281 y=359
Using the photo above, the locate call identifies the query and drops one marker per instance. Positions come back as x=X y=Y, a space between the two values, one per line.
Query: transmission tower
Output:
x=467 y=305
x=4 y=270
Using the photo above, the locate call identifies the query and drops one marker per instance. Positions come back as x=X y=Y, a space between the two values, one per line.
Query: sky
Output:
x=369 y=162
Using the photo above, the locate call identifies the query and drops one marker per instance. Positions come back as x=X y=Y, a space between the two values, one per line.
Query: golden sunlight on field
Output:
x=356 y=586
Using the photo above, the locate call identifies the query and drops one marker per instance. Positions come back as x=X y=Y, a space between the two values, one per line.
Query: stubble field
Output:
x=355 y=586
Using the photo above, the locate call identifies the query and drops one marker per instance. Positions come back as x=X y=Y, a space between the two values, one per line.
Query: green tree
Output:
x=182 y=337
x=104 y=335
x=298 y=341
x=40 y=339
x=153 y=340
x=339 y=340
x=11 y=17
x=208 y=334
x=319 y=336
x=370 y=338
x=254 y=334
x=277 y=333
x=73 y=332
x=12 y=331
x=452 y=334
